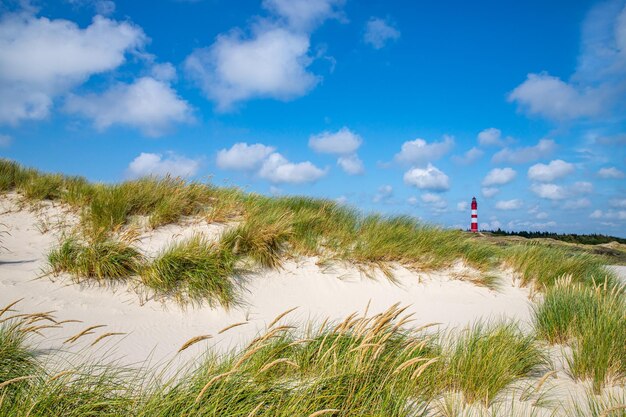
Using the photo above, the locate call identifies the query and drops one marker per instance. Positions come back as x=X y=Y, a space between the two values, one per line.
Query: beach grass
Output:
x=194 y=269
x=486 y=358
x=100 y=259
x=592 y=320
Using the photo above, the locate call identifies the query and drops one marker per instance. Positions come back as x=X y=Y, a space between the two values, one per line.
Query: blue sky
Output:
x=390 y=106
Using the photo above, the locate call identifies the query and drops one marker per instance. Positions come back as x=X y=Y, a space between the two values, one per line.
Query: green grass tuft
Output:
x=101 y=259
x=486 y=358
x=195 y=269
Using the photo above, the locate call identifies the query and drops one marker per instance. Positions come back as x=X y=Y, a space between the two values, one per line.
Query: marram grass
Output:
x=194 y=269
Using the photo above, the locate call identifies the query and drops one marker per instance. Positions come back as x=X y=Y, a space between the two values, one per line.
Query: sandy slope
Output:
x=159 y=329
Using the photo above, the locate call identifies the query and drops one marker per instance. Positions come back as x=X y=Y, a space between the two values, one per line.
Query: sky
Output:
x=397 y=107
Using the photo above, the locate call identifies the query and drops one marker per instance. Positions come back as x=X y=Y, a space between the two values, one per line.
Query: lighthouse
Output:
x=474 y=225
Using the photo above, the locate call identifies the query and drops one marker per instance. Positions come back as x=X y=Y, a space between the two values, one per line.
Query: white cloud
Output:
x=541 y=215
x=434 y=200
x=525 y=154
x=490 y=137
x=271 y=64
x=596 y=86
x=384 y=193
x=420 y=152
x=378 y=32
x=163 y=72
x=147 y=104
x=609 y=214
x=5 y=140
x=277 y=169
x=470 y=156
x=509 y=204
x=413 y=201
x=549 y=191
x=582 y=187
x=554 y=170
x=159 y=165
x=611 y=172
x=620 y=203
x=341 y=142
x=489 y=192
x=499 y=176
x=42 y=59
x=548 y=96
x=243 y=157
x=342 y=200
x=429 y=178
x=577 y=204
x=304 y=15
x=351 y=164
x=462 y=206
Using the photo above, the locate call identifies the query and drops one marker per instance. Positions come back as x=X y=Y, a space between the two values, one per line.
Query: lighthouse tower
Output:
x=474 y=225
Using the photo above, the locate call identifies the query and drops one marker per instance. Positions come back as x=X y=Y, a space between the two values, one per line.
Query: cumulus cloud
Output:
x=499 y=176
x=489 y=192
x=547 y=173
x=597 y=84
x=462 y=206
x=620 y=203
x=491 y=137
x=5 y=140
x=272 y=61
x=509 y=204
x=577 y=204
x=341 y=142
x=384 y=193
x=304 y=15
x=434 y=200
x=610 y=172
x=420 y=152
x=429 y=178
x=609 y=214
x=549 y=191
x=351 y=164
x=243 y=157
x=527 y=154
x=147 y=104
x=469 y=157
x=378 y=32
x=277 y=169
x=158 y=165
x=42 y=59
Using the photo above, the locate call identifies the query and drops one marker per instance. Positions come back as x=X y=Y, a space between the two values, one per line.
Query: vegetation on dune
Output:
x=99 y=259
x=362 y=366
x=592 y=320
x=270 y=229
x=486 y=358
x=194 y=269
x=590 y=239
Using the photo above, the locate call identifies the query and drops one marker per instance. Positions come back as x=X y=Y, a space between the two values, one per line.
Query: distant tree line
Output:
x=592 y=239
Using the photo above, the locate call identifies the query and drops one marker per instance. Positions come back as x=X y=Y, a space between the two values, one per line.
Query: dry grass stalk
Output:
x=193 y=341
x=61 y=374
x=322 y=412
x=247 y=355
x=232 y=326
x=85 y=332
x=211 y=382
x=276 y=362
x=422 y=368
x=608 y=411
x=256 y=409
x=18 y=379
x=99 y=338
x=408 y=363
x=8 y=307
x=280 y=316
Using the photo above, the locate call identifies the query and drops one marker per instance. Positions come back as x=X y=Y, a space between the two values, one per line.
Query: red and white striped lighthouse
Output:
x=474 y=226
